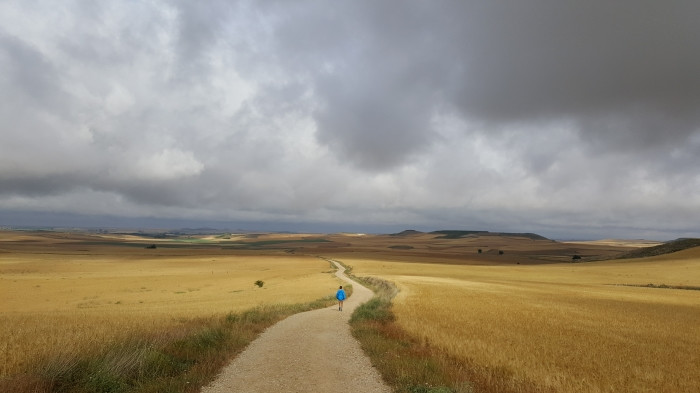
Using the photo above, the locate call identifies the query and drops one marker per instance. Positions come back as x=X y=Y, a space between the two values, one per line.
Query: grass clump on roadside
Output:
x=177 y=361
x=404 y=363
x=410 y=365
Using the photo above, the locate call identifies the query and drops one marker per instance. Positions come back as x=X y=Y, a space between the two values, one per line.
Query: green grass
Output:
x=266 y=243
x=192 y=240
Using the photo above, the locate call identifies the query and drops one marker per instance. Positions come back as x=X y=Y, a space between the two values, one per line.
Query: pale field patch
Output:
x=569 y=327
x=618 y=242
x=71 y=302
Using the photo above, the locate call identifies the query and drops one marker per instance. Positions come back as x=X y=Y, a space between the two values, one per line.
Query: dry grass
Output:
x=62 y=298
x=521 y=322
x=566 y=328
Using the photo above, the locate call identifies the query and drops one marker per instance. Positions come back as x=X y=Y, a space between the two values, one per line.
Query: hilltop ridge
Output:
x=455 y=234
x=458 y=234
x=665 y=248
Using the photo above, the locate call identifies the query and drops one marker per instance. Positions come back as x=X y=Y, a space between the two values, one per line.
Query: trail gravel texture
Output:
x=307 y=352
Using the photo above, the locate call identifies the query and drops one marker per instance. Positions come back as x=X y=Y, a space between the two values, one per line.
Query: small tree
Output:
x=259 y=283
x=479 y=251
x=576 y=258
x=500 y=252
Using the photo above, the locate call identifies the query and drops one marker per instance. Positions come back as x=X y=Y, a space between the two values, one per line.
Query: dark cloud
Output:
x=35 y=186
x=622 y=73
x=532 y=113
x=552 y=58
x=371 y=128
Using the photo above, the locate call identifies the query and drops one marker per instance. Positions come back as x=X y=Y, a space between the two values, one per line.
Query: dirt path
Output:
x=307 y=352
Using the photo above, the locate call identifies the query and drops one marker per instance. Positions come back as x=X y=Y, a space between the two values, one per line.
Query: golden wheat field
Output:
x=64 y=294
x=566 y=327
x=509 y=302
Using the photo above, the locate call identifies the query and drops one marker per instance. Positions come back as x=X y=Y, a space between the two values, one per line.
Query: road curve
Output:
x=306 y=352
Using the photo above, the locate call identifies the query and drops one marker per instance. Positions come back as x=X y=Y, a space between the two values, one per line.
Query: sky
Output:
x=570 y=119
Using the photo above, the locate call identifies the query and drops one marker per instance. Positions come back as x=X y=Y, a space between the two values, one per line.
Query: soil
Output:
x=307 y=352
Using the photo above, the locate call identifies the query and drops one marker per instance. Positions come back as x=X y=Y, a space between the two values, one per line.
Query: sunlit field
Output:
x=564 y=327
x=64 y=296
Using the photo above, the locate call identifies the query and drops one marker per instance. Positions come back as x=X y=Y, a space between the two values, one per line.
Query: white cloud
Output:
x=118 y=101
x=167 y=164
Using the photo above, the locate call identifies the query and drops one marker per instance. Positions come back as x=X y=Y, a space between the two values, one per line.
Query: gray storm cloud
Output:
x=570 y=117
x=623 y=72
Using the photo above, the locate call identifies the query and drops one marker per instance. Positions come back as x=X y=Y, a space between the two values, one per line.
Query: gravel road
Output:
x=307 y=352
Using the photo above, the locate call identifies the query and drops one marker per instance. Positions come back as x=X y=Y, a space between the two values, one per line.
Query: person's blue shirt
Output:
x=340 y=295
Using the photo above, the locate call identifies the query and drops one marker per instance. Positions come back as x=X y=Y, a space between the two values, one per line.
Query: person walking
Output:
x=340 y=295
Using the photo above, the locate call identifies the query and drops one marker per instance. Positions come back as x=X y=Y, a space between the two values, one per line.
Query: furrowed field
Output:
x=558 y=327
x=65 y=295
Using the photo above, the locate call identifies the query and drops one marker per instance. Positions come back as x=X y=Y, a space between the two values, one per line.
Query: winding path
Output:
x=307 y=352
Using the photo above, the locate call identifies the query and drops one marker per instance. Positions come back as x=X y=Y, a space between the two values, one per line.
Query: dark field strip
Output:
x=661 y=286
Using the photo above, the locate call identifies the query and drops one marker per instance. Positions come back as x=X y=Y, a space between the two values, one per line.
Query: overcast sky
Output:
x=571 y=119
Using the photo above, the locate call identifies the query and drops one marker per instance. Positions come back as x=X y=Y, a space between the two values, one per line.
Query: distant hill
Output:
x=666 y=248
x=407 y=232
x=450 y=234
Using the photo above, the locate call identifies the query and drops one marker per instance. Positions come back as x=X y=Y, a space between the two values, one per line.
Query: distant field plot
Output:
x=564 y=327
x=71 y=294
